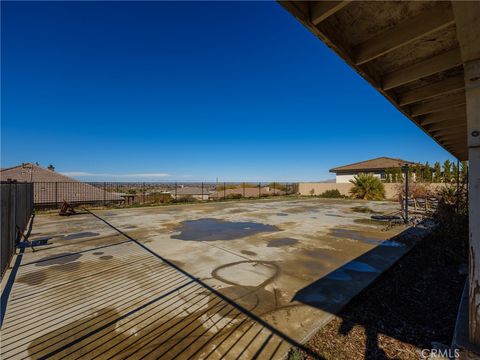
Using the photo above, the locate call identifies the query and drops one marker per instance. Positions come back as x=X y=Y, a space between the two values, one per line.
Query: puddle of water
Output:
x=58 y=259
x=247 y=252
x=392 y=243
x=281 y=242
x=98 y=253
x=209 y=229
x=106 y=257
x=339 y=275
x=282 y=214
x=79 y=235
x=359 y=266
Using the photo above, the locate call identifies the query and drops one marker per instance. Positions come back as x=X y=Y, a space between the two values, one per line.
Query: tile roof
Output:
x=52 y=187
x=374 y=164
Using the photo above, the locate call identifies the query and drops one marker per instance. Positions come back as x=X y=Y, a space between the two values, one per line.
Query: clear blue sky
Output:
x=234 y=90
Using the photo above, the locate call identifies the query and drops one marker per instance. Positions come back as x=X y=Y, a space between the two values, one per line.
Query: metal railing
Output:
x=16 y=211
x=53 y=194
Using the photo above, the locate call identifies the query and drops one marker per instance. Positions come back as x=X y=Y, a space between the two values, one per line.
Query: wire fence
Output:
x=53 y=194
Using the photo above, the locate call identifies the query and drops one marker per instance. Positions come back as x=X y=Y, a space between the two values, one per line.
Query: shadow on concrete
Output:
x=388 y=302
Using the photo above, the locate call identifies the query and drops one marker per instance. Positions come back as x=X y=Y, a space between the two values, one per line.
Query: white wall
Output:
x=345 y=178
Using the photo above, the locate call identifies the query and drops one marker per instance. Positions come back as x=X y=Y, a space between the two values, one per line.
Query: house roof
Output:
x=192 y=190
x=52 y=187
x=374 y=164
x=33 y=173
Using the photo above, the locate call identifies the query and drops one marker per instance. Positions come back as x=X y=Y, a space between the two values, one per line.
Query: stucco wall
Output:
x=391 y=190
x=345 y=178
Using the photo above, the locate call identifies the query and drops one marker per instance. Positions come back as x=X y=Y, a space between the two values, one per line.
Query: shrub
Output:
x=234 y=196
x=334 y=193
x=367 y=187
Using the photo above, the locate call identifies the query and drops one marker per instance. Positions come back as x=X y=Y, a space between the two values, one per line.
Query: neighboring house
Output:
x=51 y=187
x=191 y=191
x=377 y=167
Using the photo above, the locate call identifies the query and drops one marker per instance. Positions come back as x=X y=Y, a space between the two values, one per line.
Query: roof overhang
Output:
x=407 y=50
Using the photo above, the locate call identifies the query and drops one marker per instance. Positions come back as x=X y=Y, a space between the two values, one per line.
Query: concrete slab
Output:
x=88 y=290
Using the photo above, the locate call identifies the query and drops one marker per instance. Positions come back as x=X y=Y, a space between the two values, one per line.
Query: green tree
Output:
x=447 y=171
x=427 y=172
x=454 y=172
x=388 y=175
x=367 y=187
x=417 y=170
x=437 y=172
x=463 y=171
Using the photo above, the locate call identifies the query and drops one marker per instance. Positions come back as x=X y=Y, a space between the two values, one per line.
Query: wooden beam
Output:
x=457 y=113
x=445 y=126
x=320 y=10
x=404 y=33
x=448 y=130
x=438 y=88
x=438 y=104
x=467 y=18
x=459 y=137
x=422 y=69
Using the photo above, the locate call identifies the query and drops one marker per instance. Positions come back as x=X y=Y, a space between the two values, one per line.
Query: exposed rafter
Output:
x=454 y=114
x=320 y=10
x=438 y=88
x=438 y=104
x=422 y=69
x=402 y=34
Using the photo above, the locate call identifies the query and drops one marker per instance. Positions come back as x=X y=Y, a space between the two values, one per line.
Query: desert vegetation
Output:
x=367 y=187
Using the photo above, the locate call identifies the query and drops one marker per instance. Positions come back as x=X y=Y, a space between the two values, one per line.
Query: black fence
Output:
x=53 y=194
x=16 y=211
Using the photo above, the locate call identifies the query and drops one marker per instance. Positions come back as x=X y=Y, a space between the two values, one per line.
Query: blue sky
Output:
x=187 y=91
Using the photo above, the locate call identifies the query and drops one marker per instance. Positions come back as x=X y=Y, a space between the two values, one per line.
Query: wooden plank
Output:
x=448 y=130
x=457 y=113
x=445 y=126
x=455 y=137
x=422 y=69
x=320 y=10
x=438 y=88
x=438 y=104
x=404 y=33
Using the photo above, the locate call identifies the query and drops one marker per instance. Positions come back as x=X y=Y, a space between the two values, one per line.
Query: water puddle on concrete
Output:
x=281 y=242
x=79 y=235
x=59 y=259
x=365 y=237
x=209 y=229
x=282 y=214
x=359 y=266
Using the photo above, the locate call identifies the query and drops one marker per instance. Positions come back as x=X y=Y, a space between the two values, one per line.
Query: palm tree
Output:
x=367 y=187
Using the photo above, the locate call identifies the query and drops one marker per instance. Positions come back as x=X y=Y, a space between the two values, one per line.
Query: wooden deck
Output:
x=111 y=298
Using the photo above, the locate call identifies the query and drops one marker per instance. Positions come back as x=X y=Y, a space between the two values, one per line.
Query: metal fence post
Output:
x=259 y=189
x=175 y=190
x=243 y=189
x=202 y=190
x=224 y=191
